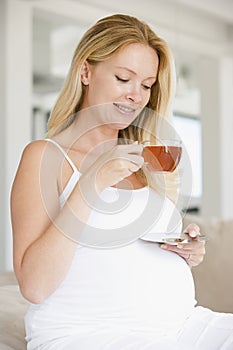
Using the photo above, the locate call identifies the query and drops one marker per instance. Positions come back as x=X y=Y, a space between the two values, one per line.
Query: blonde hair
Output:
x=99 y=43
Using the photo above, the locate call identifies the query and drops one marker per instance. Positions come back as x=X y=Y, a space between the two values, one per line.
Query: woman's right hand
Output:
x=114 y=165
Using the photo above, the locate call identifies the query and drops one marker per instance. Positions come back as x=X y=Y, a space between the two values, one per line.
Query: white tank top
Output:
x=136 y=286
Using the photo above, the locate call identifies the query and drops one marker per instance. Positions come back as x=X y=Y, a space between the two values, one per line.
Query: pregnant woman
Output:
x=83 y=203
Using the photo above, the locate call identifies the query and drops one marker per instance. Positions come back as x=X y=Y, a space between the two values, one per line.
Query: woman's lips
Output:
x=125 y=109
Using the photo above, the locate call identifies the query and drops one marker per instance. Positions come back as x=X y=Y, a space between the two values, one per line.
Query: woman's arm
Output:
x=42 y=254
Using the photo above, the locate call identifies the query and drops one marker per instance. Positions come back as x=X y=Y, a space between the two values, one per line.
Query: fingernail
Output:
x=193 y=233
x=163 y=246
x=179 y=246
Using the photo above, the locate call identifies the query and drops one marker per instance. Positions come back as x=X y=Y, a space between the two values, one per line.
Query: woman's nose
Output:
x=134 y=95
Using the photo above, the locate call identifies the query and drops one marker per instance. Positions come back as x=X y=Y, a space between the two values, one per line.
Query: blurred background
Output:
x=38 y=38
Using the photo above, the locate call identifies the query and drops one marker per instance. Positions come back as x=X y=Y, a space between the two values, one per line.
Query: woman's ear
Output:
x=85 y=73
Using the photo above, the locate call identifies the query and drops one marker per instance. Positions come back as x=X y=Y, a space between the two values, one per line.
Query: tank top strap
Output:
x=64 y=153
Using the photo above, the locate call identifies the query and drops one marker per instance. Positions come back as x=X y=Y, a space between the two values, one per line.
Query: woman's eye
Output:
x=122 y=80
x=146 y=87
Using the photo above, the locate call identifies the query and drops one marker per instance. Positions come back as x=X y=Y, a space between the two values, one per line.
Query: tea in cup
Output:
x=164 y=155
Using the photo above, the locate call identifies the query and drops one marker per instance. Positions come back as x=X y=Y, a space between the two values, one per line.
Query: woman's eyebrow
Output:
x=133 y=72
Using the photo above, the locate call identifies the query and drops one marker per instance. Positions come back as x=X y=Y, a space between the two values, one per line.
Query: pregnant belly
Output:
x=139 y=286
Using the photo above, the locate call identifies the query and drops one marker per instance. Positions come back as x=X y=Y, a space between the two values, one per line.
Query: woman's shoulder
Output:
x=38 y=152
x=32 y=150
x=37 y=148
x=37 y=164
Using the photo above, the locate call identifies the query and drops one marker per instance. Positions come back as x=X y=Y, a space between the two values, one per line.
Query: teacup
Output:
x=162 y=156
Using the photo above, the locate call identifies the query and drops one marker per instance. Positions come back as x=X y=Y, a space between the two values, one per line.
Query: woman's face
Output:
x=122 y=84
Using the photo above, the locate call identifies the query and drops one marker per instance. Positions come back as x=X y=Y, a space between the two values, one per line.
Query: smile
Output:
x=125 y=109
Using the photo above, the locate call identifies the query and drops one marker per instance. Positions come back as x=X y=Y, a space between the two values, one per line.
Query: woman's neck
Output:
x=78 y=136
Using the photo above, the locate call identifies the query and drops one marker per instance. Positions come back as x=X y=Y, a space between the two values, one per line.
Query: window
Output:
x=189 y=130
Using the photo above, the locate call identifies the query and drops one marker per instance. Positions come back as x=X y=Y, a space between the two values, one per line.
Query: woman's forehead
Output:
x=135 y=57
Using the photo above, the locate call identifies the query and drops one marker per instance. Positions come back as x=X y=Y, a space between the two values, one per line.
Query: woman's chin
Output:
x=120 y=126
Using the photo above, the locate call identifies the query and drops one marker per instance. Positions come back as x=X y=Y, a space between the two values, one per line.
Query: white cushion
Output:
x=12 y=310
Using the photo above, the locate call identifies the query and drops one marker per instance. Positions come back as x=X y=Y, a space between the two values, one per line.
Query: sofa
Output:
x=213 y=279
x=12 y=309
x=214 y=276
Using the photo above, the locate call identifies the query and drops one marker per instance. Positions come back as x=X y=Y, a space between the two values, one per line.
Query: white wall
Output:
x=15 y=105
x=225 y=90
x=2 y=133
x=184 y=30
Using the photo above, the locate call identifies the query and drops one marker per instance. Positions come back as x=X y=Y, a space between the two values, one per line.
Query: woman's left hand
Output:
x=193 y=252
